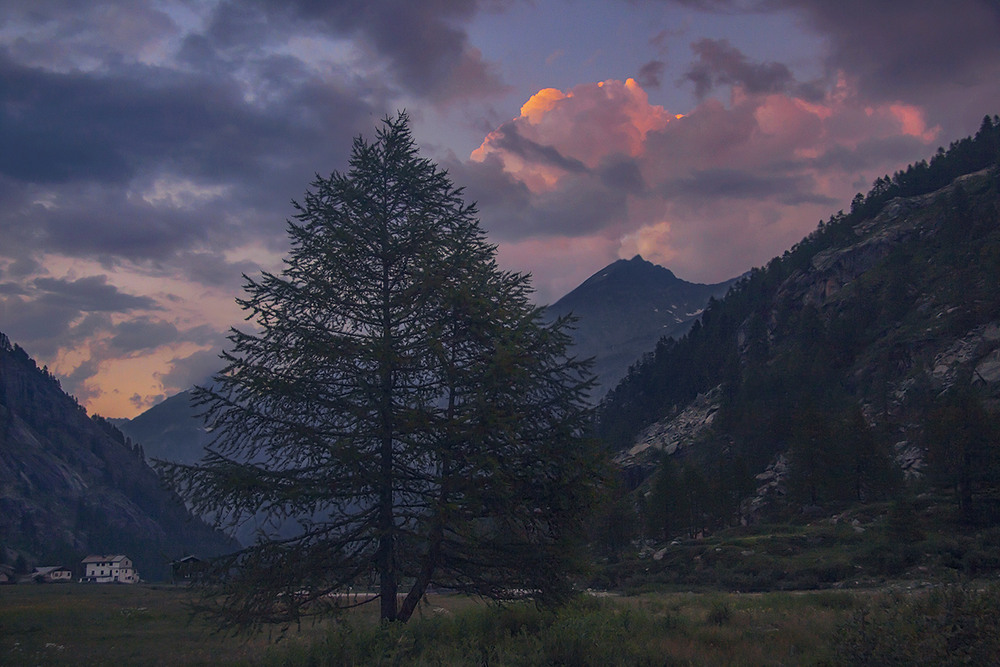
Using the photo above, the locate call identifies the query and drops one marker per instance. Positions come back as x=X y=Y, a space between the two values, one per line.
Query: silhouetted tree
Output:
x=402 y=400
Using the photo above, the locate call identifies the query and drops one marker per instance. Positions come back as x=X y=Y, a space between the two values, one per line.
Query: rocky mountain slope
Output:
x=863 y=362
x=71 y=485
x=625 y=308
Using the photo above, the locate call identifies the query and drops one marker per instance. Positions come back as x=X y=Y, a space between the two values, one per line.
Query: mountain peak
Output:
x=625 y=308
x=634 y=273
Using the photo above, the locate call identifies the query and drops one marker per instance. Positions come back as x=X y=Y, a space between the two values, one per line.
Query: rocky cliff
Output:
x=866 y=357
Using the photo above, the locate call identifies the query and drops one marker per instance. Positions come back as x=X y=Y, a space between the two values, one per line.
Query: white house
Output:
x=109 y=569
x=51 y=574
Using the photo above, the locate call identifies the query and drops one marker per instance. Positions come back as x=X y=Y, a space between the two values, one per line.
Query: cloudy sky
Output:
x=150 y=149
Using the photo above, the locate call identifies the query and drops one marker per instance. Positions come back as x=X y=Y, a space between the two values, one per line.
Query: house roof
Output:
x=105 y=559
x=48 y=569
x=187 y=559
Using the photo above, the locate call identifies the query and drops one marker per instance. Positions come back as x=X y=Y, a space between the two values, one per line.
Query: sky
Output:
x=150 y=150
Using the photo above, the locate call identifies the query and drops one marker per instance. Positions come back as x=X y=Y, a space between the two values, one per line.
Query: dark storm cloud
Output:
x=142 y=333
x=509 y=211
x=872 y=152
x=43 y=326
x=720 y=63
x=23 y=266
x=490 y=187
x=429 y=53
x=897 y=47
x=577 y=207
x=68 y=33
x=90 y=294
x=650 y=75
x=509 y=139
x=944 y=56
x=92 y=142
x=76 y=382
x=620 y=172
x=47 y=128
x=108 y=223
x=105 y=127
x=722 y=183
x=82 y=148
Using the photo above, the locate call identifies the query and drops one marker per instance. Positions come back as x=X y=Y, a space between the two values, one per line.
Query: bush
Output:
x=719 y=614
x=947 y=626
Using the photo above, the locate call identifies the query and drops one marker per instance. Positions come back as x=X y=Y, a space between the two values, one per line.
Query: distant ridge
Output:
x=170 y=430
x=625 y=308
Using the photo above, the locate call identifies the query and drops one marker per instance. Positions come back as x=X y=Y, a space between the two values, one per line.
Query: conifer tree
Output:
x=400 y=401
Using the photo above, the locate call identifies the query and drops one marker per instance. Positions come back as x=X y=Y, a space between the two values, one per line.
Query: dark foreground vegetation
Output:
x=917 y=540
x=139 y=625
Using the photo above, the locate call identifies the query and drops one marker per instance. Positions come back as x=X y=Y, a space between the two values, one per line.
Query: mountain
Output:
x=621 y=311
x=862 y=365
x=71 y=485
x=170 y=430
x=625 y=308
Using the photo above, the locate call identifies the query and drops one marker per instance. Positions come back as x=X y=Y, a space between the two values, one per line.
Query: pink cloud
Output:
x=587 y=124
x=711 y=194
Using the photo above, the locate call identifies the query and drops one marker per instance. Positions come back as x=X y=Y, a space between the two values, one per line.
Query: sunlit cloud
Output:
x=709 y=193
x=149 y=150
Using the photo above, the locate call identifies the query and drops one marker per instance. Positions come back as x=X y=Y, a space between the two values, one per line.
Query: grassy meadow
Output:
x=73 y=624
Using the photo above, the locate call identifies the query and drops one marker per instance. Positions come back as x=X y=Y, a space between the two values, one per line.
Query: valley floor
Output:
x=73 y=624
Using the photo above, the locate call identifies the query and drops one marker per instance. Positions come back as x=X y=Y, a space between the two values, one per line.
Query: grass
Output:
x=649 y=629
x=80 y=624
x=145 y=625
x=74 y=624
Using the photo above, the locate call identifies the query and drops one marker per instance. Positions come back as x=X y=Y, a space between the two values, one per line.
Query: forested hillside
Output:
x=72 y=485
x=860 y=365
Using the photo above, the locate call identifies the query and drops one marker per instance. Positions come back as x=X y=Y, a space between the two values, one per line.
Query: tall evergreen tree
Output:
x=402 y=400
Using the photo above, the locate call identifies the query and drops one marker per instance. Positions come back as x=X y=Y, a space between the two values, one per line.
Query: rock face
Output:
x=72 y=485
x=672 y=434
x=905 y=298
x=625 y=308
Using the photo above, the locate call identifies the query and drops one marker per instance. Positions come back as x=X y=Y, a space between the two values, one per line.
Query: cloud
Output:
x=69 y=34
x=142 y=334
x=90 y=294
x=195 y=369
x=944 y=58
x=428 y=52
x=711 y=194
x=719 y=63
x=651 y=74
x=149 y=150
x=51 y=314
x=900 y=47
x=617 y=117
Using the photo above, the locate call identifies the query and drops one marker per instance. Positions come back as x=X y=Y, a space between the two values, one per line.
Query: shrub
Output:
x=947 y=626
x=720 y=613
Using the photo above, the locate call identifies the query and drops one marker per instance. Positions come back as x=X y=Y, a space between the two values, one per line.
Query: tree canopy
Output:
x=400 y=416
